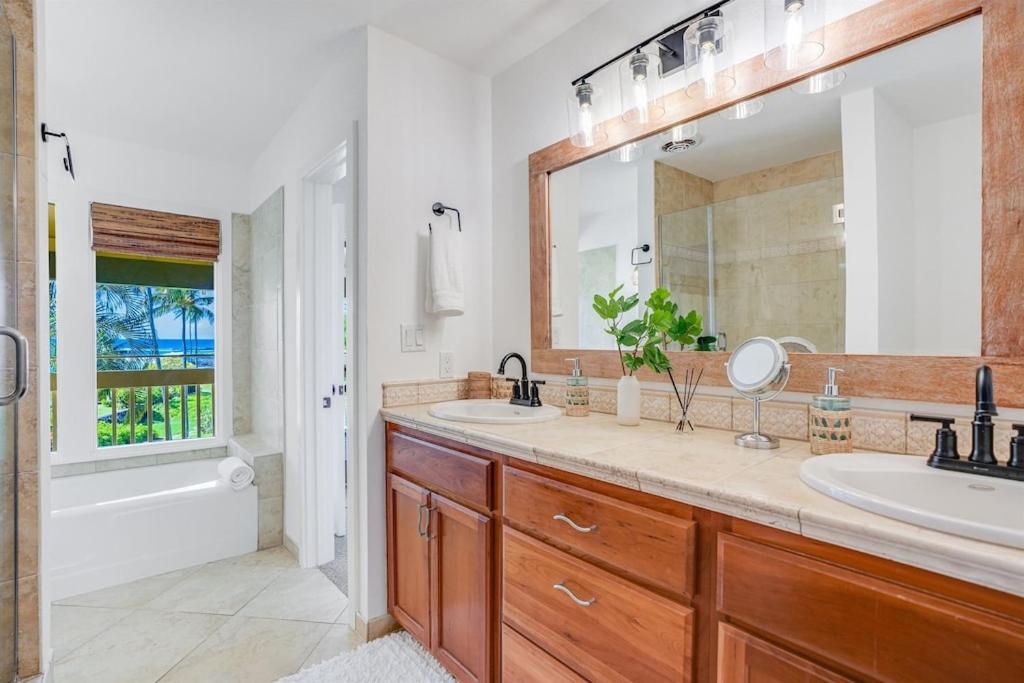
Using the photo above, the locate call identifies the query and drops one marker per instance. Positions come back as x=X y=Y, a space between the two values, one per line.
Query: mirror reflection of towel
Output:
x=445 y=294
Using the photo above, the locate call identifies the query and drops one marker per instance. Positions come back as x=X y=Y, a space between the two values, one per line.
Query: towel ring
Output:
x=438 y=208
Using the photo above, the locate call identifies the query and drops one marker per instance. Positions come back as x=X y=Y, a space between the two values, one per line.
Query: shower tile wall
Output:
x=779 y=260
x=680 y=210
x=257 y=344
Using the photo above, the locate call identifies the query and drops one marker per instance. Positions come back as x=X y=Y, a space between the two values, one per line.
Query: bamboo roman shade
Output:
x=141 y=232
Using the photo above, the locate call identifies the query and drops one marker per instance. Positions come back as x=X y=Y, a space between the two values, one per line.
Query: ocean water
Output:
x=172 y=347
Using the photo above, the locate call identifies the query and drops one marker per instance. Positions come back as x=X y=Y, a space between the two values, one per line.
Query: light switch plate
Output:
x=413 y=338
x=446 y=365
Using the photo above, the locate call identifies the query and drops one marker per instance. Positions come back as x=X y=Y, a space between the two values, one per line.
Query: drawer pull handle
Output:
x=565 y=589
x=582 y=529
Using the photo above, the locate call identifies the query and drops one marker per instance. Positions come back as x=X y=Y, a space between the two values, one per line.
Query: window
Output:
x=155 y=344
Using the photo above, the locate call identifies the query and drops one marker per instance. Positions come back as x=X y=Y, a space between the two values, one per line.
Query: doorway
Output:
x=330 y=199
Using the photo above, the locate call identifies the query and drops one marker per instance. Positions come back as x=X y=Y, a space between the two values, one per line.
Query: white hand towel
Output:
x=445 y=295
x=235 y=473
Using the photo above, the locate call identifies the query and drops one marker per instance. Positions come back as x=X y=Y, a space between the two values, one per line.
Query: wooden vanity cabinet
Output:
x=441 y=551
x=656 y=590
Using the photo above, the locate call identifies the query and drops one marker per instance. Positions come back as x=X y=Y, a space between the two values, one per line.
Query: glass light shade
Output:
x=677 y=134
x=744 y=109
x=628 y=153
x=712 y=72
x=819 y=83
x=640 y=88
x=794 y=33
x=584 y=128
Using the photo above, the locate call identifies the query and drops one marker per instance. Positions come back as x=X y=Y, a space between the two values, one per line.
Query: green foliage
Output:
x=642 y=341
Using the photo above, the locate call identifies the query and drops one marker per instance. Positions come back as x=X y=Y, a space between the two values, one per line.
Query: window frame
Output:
x=80 y=385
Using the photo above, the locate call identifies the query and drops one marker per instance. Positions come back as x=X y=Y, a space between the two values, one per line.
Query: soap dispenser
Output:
x=577 y=391
x=831 y=424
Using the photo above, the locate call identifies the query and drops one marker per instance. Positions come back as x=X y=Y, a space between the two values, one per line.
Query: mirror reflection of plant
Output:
x=642 y=341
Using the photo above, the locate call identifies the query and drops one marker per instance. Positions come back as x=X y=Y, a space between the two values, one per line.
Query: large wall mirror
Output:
x=865 y=211
x=841 y=214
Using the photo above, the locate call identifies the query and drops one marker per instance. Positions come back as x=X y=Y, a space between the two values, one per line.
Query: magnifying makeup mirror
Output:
x=758 y=370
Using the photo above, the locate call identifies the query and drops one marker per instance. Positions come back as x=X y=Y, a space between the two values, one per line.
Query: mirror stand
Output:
x=754 y=438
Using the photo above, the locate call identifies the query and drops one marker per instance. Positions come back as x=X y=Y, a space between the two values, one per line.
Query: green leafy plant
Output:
x=643 y=340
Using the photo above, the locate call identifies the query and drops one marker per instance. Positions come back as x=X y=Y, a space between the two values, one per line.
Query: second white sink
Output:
x=493 y=411
x=905 y=488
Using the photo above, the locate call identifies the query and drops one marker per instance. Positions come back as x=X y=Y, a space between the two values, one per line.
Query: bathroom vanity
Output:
x=508 y=569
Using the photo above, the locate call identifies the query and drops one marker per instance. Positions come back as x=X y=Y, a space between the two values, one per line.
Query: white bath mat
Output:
x=391 y=659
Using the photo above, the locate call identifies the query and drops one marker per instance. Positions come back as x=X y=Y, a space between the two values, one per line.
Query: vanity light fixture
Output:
x=744 y=109
x=640 y=88
x=627 y=154
x=819 y=83
x=713 y=72
x=794 y=33
x=584 y=131
x=641 y=72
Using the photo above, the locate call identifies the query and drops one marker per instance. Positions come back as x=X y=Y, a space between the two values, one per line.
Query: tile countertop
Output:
x=706 y=469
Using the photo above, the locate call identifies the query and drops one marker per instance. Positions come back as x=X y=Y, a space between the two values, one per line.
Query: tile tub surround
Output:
x=267 y=461
x=708 y=470
x=887 y=431
x=254 y=618
x=108 y=465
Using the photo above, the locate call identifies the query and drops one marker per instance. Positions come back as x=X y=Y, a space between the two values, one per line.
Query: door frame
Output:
x=317 y=505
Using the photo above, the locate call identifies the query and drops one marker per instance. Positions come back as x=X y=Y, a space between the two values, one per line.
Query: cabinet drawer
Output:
x=465 y=477
x=879 y=629
x=524 y=662
x=648 y=546
x=611 y=629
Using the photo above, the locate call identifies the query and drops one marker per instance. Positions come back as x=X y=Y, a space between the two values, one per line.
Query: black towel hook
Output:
x=438 y=208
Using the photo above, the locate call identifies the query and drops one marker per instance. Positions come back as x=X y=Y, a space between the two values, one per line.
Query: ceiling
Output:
x=180 y=75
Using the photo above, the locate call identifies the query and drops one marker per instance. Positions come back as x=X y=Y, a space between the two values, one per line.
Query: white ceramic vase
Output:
x=629 y=401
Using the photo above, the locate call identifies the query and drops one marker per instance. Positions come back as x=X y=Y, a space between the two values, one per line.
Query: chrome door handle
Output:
x=20 y=365
x=565 y=589
x=582 y=529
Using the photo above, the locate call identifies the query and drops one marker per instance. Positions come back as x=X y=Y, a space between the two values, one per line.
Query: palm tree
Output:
x=121 y=328
x=202 y=300
x=190 y=306
x=151 y=306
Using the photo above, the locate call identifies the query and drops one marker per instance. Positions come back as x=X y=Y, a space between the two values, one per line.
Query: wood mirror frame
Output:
x=940 y=379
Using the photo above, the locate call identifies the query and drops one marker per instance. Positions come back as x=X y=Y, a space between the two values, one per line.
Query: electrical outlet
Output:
x=446 y=365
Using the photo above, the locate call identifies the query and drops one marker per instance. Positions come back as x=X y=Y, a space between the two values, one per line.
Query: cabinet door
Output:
x=409 y=557
x=743 y=658
x=461 y=566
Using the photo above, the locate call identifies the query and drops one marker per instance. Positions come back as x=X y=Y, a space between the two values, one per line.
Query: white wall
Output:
x=894 y=175
x=132 y=175
x=428 y=138
x=321 y=122
x=913 y=230
x=564 y=193
x=947 y=224
x=528 y=102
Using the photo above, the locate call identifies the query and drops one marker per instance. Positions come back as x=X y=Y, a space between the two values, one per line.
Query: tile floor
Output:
x=252 y=618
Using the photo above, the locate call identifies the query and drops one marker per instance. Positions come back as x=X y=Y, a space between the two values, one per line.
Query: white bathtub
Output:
x=112 y=527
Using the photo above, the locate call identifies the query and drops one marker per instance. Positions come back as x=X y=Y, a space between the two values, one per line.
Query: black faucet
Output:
x=524 y=391
x=982 y=459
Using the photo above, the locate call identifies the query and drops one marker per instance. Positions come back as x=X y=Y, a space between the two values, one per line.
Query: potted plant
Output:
x=642 y=341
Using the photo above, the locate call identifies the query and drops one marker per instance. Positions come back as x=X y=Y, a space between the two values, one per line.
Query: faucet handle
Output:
x=1017 y=448
x=516 y=391
x=945 y=436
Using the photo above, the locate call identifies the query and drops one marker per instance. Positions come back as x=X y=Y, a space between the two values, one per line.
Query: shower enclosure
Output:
x=13 y=359
x=762 y=261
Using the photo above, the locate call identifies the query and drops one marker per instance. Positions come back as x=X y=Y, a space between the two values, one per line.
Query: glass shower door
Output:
x=13 y=359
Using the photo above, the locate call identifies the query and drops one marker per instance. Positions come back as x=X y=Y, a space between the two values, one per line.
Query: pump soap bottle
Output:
x=577 y=391
x=831 y=424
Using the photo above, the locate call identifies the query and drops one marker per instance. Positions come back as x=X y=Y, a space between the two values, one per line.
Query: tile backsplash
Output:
x=873 y=430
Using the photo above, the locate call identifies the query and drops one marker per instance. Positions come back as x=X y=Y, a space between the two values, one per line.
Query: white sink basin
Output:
x=493 y=411
x=905 y=488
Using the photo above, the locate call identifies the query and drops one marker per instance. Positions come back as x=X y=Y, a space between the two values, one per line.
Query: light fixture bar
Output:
x=664 y=32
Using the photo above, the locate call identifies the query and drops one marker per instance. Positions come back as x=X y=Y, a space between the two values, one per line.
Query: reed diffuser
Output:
x=691 y=380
